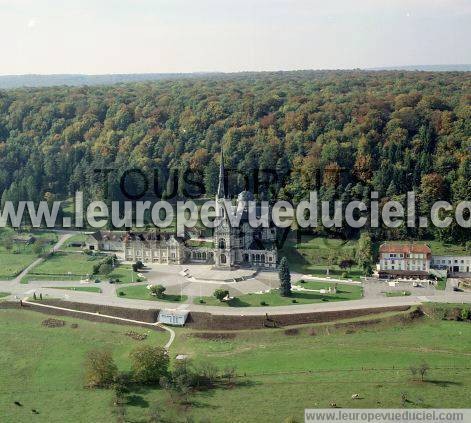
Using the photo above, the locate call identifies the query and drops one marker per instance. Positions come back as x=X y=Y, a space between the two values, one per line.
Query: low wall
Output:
x=201 y=320
x=207 y=321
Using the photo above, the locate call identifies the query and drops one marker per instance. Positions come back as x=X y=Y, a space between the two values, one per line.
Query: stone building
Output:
x=230 y=247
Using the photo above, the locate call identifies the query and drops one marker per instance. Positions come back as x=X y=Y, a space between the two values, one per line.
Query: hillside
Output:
x=388 y=131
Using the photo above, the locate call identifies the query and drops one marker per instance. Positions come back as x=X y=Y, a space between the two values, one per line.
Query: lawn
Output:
x=273 y=298
x=346 y=291
x=279 y=372
x=79 y=288
x=43 y=367
x=124 y=274
x=4 y=294
x=140 y=292
x=11 y=264
x=312 y=255
x=61 y=263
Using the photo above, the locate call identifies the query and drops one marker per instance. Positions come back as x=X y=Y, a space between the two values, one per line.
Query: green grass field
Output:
x=140 y=292
x=11 y=265
x=345 y=291
x=273 y=298
x=62 y=263
x=42 y=367
x=4 y=294
x=124 y=274
x=20 y=255
x=280 y=372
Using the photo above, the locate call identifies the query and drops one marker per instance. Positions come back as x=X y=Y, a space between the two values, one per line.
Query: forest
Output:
x=343 y=133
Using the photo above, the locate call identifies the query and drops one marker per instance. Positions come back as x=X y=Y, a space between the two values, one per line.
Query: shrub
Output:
x=105 y=269
x=465 y=313
x=157 y=290
x=220 y=294
x=100 y=369
x=149 y=364
x=263 y=303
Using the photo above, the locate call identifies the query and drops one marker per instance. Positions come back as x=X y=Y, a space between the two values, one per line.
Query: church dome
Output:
x=245 y=196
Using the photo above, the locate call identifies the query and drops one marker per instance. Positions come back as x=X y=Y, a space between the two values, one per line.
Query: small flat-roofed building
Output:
x=452 y=264
x=173 y=317
x=404 y=260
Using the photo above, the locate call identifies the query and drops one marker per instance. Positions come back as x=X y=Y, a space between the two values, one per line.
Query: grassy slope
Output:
x=51 y=378
x=284 y=374
x=13 y=264
x=311 y=255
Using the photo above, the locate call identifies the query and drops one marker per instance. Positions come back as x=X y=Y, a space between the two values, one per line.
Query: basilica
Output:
x=229 y=247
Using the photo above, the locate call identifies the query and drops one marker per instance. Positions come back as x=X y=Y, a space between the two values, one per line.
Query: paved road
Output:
x=93 y=298
x=175 y=282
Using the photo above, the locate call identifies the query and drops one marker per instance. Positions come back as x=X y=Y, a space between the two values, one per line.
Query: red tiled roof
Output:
x=405 y=248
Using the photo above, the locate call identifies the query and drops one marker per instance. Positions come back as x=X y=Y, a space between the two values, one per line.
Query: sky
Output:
x=151 y=36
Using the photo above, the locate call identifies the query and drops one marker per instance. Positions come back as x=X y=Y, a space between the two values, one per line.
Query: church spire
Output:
x=221 y=191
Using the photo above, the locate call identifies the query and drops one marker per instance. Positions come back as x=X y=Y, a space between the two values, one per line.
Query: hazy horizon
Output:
x=47 y=37
x=196 y=72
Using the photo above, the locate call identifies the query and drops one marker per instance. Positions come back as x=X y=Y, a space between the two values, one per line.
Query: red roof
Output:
x=405 y=248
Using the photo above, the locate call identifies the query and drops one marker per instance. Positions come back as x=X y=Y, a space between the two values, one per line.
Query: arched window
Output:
x=223 y=259
x=263 y=258
x=222 y=244
x=221 y=211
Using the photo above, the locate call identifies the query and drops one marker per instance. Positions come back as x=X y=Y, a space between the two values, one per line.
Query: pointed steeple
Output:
x=221 y=191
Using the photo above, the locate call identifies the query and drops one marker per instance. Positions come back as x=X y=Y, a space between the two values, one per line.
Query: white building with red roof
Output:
x=407 y=260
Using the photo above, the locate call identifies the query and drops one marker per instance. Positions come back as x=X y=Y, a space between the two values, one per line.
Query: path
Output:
x=56 y=247
x=122 y=319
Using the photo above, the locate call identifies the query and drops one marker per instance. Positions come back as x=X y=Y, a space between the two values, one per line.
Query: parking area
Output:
x=374 y=288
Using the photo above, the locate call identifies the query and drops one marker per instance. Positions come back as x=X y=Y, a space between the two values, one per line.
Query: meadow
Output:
x=18 y=255
x=280 y=371
x=62 y=263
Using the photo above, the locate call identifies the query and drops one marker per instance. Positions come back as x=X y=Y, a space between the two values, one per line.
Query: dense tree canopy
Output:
x=387 y=131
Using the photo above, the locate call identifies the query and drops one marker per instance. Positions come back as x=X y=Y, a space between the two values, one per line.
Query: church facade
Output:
x=230 y=246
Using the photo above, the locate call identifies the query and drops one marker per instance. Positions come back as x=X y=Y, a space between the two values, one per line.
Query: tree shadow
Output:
x=237 y=302
x=137 y=401
x=443 y=383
